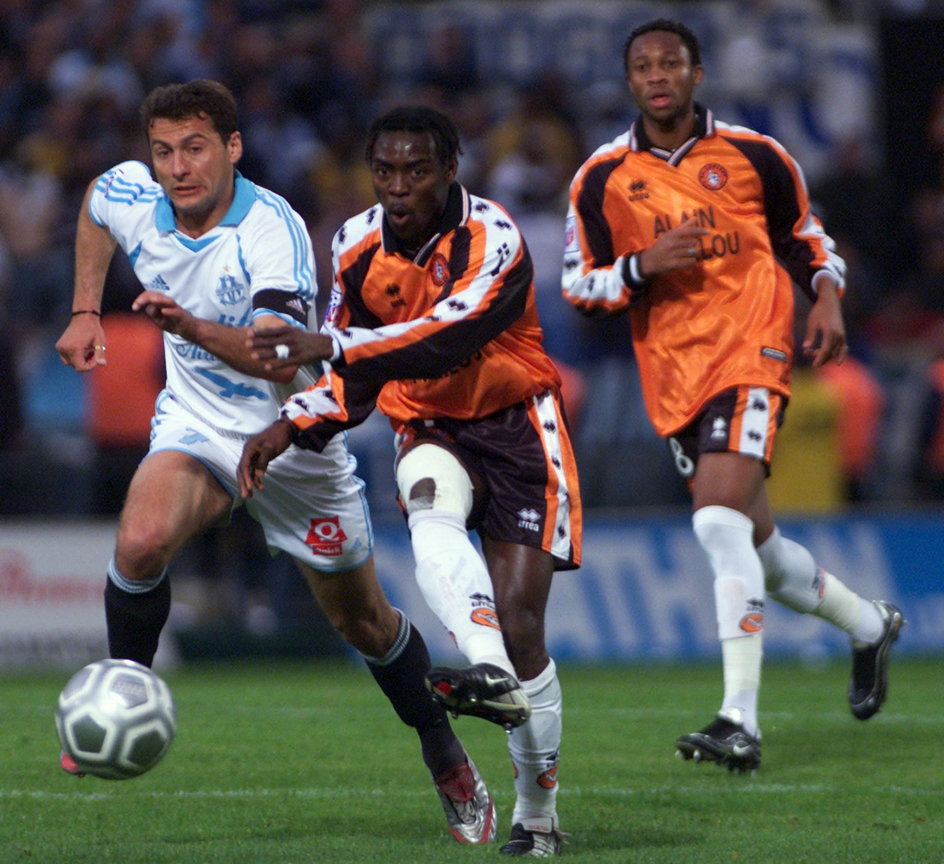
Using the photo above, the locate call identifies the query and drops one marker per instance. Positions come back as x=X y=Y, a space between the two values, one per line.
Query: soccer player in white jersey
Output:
x=217 y=255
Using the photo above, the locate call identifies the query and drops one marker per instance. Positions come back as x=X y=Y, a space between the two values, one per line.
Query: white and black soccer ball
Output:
x=116 y=719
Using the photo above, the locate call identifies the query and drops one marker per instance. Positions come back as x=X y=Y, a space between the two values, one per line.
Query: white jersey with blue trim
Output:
x=260 y=244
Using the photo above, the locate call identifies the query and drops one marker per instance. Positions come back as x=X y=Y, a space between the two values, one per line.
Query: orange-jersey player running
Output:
x=433 y=321
x=697 y=230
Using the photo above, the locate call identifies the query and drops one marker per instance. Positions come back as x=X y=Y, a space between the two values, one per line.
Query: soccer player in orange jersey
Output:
x=433 y=321
x=698 y=230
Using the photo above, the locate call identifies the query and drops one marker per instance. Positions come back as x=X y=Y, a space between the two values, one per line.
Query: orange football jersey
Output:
x=450 y=331
x=729 y=320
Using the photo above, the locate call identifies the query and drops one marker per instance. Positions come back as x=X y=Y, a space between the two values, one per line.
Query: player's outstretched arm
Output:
x=225 y=342
x=282 y=346
x=258 y=452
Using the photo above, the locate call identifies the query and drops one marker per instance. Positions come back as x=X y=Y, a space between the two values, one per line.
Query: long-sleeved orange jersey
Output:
x=450 y=332
x=729 y=320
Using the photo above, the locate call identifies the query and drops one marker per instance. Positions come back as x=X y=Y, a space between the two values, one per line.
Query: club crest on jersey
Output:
x=713 y=176
x=325 y=536
x=230 y=290
x=439 y=269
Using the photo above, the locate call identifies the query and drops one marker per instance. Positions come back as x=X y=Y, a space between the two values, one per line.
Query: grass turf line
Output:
x=300 y=763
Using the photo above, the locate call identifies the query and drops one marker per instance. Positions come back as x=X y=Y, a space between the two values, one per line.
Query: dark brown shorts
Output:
x=740 y=420
x=523 y=458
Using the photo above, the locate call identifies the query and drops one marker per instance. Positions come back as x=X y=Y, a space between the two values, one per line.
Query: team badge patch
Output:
x=713 y=176
x=570 y=235
x=439 y=269
x=325 y=536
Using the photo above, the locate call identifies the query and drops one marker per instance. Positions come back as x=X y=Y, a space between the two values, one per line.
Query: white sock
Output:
x=742 y=665
x=726 y=535
x=794 y=580
x=455 y=583
x=535 y=750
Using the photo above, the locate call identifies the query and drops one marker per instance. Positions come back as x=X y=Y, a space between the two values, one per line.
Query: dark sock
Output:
x=135 y=621
x=402 y=680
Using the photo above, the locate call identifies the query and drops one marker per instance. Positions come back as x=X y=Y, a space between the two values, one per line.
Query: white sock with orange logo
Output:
x=726 y=535
x=535 y=752
x=455 y=584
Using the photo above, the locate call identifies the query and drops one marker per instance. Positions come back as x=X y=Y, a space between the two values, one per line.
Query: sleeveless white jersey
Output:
x=260 y=244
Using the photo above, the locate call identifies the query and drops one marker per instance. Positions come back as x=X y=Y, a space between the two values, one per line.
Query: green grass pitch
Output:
x=305 y=763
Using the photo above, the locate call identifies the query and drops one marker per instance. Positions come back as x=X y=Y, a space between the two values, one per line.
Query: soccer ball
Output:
x=116 y=719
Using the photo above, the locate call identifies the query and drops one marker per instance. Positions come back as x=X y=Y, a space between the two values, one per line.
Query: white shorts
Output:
x=313 y=506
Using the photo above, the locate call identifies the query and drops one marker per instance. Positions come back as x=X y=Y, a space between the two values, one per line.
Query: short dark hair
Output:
x=689 y=39
x=199 y=98
x=417 y=118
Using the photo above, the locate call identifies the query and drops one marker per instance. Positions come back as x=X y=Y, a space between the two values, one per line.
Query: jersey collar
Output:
x=704 y=127
x=455 y=214
x=244 y=194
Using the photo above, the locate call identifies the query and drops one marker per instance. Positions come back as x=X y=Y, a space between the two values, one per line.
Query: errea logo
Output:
x=529 y=519
x=637 y=189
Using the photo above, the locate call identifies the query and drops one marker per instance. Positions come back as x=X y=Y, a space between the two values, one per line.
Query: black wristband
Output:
x=85 y=312
x=633 y=276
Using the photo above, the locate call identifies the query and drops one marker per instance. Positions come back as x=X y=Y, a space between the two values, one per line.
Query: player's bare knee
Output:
x=422 y=495
x=141 y=554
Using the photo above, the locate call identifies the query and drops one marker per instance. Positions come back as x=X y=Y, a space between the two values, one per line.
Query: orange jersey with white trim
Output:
x=452 y=331
x=728 y=320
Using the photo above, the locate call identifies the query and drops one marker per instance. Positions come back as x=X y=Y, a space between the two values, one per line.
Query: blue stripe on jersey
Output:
x=195 y=245
x=242 y=260
x=300 y=263
x=115 y=188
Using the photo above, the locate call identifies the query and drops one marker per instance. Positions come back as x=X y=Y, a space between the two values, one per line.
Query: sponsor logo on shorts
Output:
x=529 y=519
x=325 y=536
x=719 y=429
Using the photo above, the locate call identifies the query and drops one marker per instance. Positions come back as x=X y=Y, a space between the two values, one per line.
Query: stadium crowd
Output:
x=308 y=76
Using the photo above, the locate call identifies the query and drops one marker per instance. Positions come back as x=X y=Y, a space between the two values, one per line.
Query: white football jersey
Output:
x=261 y=244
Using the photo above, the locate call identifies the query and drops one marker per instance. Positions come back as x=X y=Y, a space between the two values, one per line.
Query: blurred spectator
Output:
x=11 y=405
x=860 y=207
x=308 y=74
x=120 y=405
